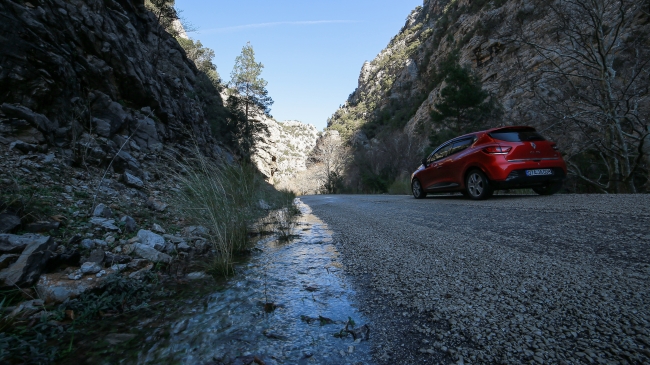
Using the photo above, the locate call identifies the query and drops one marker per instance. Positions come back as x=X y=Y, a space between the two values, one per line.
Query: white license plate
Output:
x=539 y=172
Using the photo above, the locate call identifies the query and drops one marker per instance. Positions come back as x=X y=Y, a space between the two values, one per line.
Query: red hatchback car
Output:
x=479 y=163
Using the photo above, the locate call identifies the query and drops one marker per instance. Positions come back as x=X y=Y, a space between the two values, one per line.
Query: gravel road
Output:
x=563 y=279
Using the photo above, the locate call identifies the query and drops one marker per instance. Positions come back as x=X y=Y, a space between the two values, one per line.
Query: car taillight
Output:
x=497 y=150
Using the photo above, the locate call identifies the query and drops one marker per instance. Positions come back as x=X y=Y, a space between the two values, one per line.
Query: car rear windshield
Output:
x=517 y=135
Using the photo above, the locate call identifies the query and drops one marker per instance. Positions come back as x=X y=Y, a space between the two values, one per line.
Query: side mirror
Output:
x=424 y=162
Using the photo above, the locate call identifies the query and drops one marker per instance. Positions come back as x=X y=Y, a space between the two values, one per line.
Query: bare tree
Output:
x=594 y=83
x=330 y=157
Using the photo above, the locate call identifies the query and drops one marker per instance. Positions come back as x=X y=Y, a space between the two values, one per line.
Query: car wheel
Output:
x=418 y=193
x=477 y=185
x=549 y=189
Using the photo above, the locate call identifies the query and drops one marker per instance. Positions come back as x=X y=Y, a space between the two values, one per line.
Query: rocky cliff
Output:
x=87 y=74
x=284 y=152
x=513 y=47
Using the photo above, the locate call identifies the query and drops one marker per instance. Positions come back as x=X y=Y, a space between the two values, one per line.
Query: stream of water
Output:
x=312 y=301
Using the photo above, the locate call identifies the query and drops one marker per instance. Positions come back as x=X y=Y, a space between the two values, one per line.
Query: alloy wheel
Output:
x=417 y=189
x=475 y=185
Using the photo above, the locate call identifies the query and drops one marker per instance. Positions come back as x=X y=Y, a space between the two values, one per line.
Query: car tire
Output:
x=417 y=190
x=477 y=185
x=550 y=188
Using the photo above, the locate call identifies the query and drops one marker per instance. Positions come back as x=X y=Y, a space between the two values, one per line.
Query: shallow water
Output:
x=303 y=278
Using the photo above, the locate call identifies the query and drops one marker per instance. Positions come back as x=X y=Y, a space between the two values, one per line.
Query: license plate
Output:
x=539 y=172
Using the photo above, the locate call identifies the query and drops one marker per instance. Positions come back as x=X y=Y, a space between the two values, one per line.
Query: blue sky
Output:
x=312 y=51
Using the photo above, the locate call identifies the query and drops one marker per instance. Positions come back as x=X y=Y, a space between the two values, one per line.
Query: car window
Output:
x=517 y=135
x=461 y=145
x=440 y=153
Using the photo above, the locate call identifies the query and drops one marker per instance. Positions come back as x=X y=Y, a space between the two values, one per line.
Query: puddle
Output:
x=303 y=279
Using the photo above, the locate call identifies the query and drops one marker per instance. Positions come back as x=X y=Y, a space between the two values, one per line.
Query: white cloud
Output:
x=267 y=25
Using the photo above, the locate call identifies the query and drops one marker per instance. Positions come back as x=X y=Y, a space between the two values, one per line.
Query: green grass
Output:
x=225 y=199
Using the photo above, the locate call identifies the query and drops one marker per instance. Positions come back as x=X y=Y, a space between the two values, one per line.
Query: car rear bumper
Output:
x=519 y=179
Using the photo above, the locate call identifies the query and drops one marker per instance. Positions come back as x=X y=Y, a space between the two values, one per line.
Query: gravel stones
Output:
x=132 y=181
x=107 y=224
x=102 y=211
x=129 y=224
x=157 y=205
x=90 y=268
x=561 y=279
x=151 y=254
x=151 y=239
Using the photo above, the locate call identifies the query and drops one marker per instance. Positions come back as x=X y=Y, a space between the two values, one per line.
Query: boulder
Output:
x=124 y=161
x=23 y=147
x=156 y=205
x=29 y=266
x=39 y=121
x=197 y=275
x=132 y=181
x=112 y=259
x=151 y=239
x=10 y=243
x=7 y=259
x=97 y=256
x=129 y=224
x=57 y=288
x=157 y=228
x=195 y=231
x=201 y=246
x=107 y=224
x=67 y=258
x=90 y=268
x=102 y=211
x=42 y=226
x=173 y=239
x=183 y=247
x=88 y=244
x=151 y=254
x=9 y=222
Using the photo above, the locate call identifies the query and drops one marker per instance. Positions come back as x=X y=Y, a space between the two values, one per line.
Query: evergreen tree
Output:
x=464 y=106
x=249 y=101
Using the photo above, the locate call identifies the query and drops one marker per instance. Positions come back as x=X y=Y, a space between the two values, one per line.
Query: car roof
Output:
x=514 y=127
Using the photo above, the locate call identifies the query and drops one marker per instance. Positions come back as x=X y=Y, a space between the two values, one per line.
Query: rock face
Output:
x=286 y=149
x=86 y=74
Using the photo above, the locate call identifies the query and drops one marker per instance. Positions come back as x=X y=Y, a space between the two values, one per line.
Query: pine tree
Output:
x=249 y=101
x=464 y=106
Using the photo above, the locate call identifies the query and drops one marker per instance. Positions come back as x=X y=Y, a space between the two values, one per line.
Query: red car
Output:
x=479 y=163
